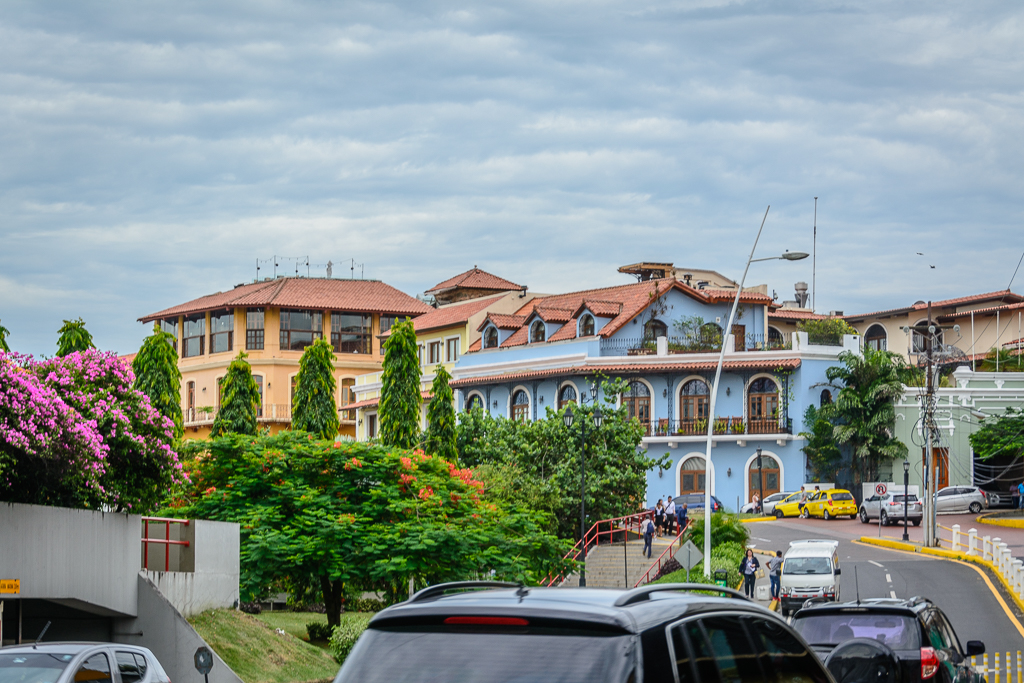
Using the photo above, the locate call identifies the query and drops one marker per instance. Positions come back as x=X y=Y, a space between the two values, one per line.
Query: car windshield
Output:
x=403 y=656
x=807 y=565
x=842 y=496
x=32 y=667
x=898 y=632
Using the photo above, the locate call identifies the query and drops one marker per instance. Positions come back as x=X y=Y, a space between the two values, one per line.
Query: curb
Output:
x=754 y=520
x=996 y=521
x=946 y=555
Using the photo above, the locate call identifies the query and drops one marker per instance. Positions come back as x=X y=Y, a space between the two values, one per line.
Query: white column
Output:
x=1015 y=575
x=972 y=543
x=956 y=538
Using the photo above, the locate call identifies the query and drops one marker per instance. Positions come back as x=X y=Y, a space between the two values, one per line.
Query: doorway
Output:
x=770 y=479
x=941 y=458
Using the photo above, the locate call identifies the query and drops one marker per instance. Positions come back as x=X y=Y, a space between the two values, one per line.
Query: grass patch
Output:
x=294 y=623
x=255 y=652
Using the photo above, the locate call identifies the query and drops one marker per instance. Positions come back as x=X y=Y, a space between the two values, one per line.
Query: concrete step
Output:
x=612 y=566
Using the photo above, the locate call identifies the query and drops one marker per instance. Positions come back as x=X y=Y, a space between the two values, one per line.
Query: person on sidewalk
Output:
x=648 y=538
x=775 y=573
x=681 y=514
x=670 y=516
x=659 y=517
x=1020 y=496
x=748 y=569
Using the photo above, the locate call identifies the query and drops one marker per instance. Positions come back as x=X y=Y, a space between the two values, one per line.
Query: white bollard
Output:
x=995 y=544
x=955 y=545
x=972 y=543
x=1015 y=574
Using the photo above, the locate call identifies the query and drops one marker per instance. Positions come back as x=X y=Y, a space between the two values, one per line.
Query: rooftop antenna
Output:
x=856 y=583
x=41 y=634
x=814 y=261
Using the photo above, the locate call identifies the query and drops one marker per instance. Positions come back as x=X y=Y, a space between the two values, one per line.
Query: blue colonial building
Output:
x=662 y=336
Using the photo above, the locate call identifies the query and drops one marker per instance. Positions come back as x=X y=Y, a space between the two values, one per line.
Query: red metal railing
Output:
x=665 y=556
x=166 y=542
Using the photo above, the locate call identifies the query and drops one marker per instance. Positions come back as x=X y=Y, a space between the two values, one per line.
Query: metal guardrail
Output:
x=166 y=541
x=665 y=556
x=268 y=412
x=723 y=426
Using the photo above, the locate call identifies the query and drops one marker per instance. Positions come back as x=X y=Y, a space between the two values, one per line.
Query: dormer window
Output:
x=537 y=332
x=587 y=325
x=491 y=338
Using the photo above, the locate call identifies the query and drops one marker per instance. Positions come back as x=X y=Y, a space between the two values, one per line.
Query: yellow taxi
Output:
x=830 y=504
x=789 y=506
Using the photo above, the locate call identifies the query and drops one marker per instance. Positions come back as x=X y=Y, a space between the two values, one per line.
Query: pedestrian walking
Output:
x=670 y=516
x=1020 y=496
x=756 y=500
x=659 y=517
x=775 y=573
x=648 y=538
x=748 y=569
x=803 y=499
x=681 y=515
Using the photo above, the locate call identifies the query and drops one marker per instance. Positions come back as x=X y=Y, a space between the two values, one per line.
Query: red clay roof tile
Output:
x=474 y=278
x=566 y=331
x=369 y=402
x=502 y=321
x=795 y=314
x=453 y=314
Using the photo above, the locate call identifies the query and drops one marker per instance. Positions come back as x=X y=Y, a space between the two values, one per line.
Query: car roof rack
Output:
x=442 y=588
x=644 y=592
x=813 y=540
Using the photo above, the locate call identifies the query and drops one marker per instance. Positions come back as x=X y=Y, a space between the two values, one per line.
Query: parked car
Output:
x=491 y=633
x=695 y=501
x=914 y=632
x=1000 y=499
x=810 y=569
x=890 y=509
x=961 y=499
x=830 y=504
x=768 y=507
x=68 y=662
x=790 y=506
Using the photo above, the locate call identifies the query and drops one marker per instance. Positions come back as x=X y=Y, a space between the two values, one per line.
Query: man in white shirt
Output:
x=670 y=516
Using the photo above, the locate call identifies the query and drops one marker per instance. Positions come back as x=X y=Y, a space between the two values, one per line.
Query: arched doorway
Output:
x=771 y=477
x=876 y=338
x=763 y=406
x=693 y=407
x=637 y=400
x=474 y=403
x=692 y=477
x=566 y=395
x=520 y=406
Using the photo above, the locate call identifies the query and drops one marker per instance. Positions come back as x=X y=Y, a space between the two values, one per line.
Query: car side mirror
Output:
x=975 y=647
x=838 y=571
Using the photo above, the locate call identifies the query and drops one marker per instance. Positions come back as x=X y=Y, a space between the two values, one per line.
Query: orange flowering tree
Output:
x=344 y=517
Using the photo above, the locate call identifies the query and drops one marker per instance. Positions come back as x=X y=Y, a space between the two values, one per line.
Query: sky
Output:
x=153 y=152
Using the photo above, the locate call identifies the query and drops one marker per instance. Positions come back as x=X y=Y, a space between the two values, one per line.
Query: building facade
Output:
x=273 y=321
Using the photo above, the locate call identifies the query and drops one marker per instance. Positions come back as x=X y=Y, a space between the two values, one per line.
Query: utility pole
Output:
x=930 y=469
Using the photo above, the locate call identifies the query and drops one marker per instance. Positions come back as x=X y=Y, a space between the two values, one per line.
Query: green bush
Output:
x=318 y=630
x=364 y=605
x=725 y=528
x=345 y=636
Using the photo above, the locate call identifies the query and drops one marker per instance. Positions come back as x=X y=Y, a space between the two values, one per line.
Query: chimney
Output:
x=801 y=294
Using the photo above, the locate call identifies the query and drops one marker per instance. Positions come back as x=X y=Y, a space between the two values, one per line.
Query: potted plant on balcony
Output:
x=721 y=425
x=205 y=411
x=737 y=425
x=700 y=426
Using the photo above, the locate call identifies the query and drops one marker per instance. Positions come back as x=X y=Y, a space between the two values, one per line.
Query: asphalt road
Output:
x=958 y=589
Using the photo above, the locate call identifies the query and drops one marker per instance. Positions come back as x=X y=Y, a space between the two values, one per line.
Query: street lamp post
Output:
x=709 y=477
x=568 y=418
x=906 y=490
x=760 y=480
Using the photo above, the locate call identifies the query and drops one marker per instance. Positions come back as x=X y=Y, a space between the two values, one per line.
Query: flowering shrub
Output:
x=75 y=433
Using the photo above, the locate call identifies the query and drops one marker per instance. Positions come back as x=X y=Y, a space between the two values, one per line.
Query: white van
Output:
x=810 y=569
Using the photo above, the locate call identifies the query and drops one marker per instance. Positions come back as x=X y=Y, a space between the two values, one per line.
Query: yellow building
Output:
x=444 y=334
x=273 y=321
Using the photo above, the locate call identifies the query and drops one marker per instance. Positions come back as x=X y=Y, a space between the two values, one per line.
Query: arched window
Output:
x=710 y=337
x=775 y=339
x=474 y=403
x=637 y=400
x=763 y=407
x=537 y=331
x=919 y=340
x=769 y=477
x=566 y=395
x=491 y=338
x=654 y=329
x=520 y=406
x=347 y=396
x=826 y=397
x=875 y=338
x=587 y=325
x=693 y=407
x=692 y=476
x=190 y=402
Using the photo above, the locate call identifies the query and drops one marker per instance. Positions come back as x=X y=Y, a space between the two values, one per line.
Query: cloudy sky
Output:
x=152 y=152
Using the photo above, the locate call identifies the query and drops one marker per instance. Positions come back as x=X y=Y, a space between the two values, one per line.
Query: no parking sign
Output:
x=881 y=489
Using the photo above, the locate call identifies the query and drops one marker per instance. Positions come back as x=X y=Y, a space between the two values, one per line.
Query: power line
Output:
x=1016 y=269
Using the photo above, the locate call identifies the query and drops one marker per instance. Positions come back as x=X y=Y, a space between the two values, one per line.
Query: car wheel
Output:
x=863 y=659
x=884 y=518
x=804 y=514
x=827 y=514
x=778 y=514
x=863 y=516
x=975 y=507
x=915 y=522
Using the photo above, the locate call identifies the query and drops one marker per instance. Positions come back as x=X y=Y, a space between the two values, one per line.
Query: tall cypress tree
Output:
x=400 y=397
x=157 y=375
x=441 y=418
x=314 y=409
x=73 y=337
x=239 y=399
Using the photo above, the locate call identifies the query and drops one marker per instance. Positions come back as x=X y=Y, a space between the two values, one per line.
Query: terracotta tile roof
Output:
x=630 y=369
x=453 y=314
x=474 y=278
x=946 y=303
x=602 y=309
x=795 y=314
x=363 y=296
x=991 y=310
x=553 y=315
x=1015 y=342
x=502 y=321
x=475 y=346
x=370 y=402
x=566 y=331
x=720 y=295
x=517 y=338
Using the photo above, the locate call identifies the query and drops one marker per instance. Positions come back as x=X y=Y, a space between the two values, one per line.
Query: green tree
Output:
x=73 y=337
x=239 y=400
x=821 y=450
x=827 y=331
x=441 y=418
x=1000 y=435
x=863 y=414
x=314 y=408
x=4 y=332
x=400 y=397
x=157 y=376
x=345 y=517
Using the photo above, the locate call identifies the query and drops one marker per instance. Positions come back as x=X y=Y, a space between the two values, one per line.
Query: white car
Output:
x=810 y=569
x=73 y=662
x=961 y=499
x=769 y=503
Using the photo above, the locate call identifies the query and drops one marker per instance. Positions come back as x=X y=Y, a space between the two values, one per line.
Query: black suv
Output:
x=912 y=631
x=502 y=633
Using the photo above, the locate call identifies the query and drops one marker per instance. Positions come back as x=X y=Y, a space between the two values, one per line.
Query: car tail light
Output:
x=487 y=621
x=929 y=662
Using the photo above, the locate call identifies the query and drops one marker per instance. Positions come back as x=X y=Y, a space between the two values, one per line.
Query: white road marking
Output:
x=892 y=593
x=875 y=563
x=888 y=579
x=766 y=540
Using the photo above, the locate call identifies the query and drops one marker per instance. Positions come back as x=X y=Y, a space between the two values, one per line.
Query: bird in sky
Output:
x=920 y=254
x=931 y=266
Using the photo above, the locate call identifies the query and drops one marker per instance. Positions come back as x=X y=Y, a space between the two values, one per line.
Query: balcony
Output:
x=268 y=412
x=724 y=426
x=695 y=343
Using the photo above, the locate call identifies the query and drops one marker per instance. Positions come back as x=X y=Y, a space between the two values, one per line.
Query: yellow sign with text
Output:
x=10 y=586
